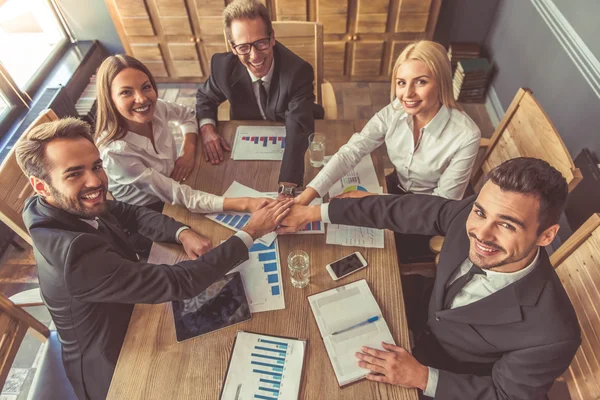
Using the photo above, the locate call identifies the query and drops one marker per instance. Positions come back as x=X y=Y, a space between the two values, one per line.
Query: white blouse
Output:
x=140 y=175
x=441 y=165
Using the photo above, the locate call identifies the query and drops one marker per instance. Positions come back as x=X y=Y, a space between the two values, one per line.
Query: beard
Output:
x=477 y=260
x=75 y=206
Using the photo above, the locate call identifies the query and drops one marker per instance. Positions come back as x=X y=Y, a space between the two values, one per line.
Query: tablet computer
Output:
x=222 y=304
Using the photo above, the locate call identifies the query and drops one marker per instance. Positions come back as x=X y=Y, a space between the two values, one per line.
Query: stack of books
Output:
x=86 y=105
x=471 y=80
x=461 y=51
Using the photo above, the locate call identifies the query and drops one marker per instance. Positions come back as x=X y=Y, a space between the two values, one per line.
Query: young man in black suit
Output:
x=89 y=275
x=262 y=80
x=500 y=324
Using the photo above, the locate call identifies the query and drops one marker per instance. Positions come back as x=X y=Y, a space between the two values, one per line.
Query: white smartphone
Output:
x=347 y=265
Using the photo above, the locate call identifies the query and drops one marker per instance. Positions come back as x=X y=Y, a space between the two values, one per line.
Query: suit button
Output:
x=437 y=318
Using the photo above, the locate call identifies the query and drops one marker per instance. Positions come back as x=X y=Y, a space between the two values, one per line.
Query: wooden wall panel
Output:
x=333 y=15
x=334 y=57
x=411 y=22
x=415 y=6
x=367 y=56
x=291 y=10
x=128 y=8
x=371 y=16
x=397 y=47
x=185 y=59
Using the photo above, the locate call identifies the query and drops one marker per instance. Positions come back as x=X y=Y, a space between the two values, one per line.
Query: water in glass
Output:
x=298 y=264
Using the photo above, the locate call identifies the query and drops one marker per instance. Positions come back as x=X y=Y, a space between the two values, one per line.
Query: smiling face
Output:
x=417 y=89
x=502 y=229
x=134 y=97
x=78 y=183
x=248 y=31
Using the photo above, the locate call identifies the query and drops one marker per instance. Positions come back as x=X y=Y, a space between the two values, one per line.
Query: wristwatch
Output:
x=287 y=190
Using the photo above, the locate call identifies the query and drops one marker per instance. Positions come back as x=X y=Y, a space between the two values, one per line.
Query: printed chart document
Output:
x=261 y=276
x=259 y=143
x=237 y=220
x=342 y=308
x=264 y=367
x=364 y=178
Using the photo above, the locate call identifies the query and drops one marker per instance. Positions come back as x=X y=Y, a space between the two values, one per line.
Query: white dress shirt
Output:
x=255 y=88
x=479 y=287
x=140 y=175
x=441 y=164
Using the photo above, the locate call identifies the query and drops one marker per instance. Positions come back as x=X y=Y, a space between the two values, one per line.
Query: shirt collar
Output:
x=92 y=222
x=267 y=77
x=500 y=280
x=437 y=123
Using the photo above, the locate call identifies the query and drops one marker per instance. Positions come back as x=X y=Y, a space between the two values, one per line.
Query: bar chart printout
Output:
x=264 y=368
x=259 y=143
x=261 y=275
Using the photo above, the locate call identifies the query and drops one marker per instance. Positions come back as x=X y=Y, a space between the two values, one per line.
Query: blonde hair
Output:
x=245 y=9
x=435 y=57
x=110 y=123
x=31 y=149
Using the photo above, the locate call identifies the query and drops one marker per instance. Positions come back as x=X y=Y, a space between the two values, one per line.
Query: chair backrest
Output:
x=577 y=263
x=14 y=324
x=15 y=187
x=305 y=39
x=526 y=131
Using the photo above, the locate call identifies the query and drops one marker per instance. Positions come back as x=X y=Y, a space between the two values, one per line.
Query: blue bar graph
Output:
x=272 y=278
x=227 y=218
x=243 y=221
x=261 y=397
x=267 y=256
x=275 y=290
x=274 y=383
x=276 y=368
x=235 y=220
x=261 y=247
x=220 y=217
x=280 y=345
x=271 y=267
x=275 y=375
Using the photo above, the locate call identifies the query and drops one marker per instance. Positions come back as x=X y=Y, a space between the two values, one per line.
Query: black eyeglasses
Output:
x=260 y=45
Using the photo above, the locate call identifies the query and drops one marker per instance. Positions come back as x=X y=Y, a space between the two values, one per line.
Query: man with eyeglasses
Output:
x=262 y=79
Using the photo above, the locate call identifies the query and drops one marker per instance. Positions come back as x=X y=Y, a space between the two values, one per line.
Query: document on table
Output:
x=261 y=276
x=259 y=143
x=264 y=367
x=362 y=177
x=237 y=220
x=344 y=309
x=346 y=235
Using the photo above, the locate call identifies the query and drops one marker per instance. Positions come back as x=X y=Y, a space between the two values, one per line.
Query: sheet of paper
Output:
x=259 y=143
x=261 y=275
x=343 y=307
x=264 y=367
x=355 y=235
x=235 y=220
x=362 y=177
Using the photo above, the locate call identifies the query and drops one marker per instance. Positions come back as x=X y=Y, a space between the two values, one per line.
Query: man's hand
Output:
x=183 y=166
x=255 y=203
x=354 y=194
x=298 y=217
x=194 y=244
x=396 y=366
x=267 y=218
x=213 y=144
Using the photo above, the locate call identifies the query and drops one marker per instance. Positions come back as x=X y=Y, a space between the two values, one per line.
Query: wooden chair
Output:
x=305 y=39
x=524 y=131
x=15 y=187
x=50 y=381
x=577 y=263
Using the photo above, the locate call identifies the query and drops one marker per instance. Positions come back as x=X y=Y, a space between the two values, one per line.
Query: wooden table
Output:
x=152 y=365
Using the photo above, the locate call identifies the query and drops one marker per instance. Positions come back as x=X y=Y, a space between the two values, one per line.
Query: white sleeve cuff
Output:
x=183 y=228
x=325 y=213
x=205 y=121
x=246 y=238
x=189 y=128
x=432 y=382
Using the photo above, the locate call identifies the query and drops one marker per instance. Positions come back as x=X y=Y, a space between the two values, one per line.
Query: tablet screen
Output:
x=222 y=304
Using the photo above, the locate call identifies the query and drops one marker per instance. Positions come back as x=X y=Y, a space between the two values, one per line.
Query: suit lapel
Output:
x=271 y=111
x=118 y=237
x=450 y=261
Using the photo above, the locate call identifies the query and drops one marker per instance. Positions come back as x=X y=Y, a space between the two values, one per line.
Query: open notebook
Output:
x=343 y=307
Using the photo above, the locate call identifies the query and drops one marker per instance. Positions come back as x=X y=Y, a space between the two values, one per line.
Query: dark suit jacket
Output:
x=510 y=345
x=90 y=281
x=290 y=99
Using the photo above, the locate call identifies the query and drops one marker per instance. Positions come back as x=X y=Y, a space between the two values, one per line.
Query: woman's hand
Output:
x=254 y=203
x=183 y=166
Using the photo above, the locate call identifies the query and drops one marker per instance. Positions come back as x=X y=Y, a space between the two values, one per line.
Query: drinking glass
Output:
x=316 y=145
x=298 y=264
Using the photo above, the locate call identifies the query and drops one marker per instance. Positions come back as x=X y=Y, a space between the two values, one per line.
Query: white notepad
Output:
x=343 y=307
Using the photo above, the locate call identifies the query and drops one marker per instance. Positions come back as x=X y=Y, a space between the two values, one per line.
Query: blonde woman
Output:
x=430 y=140
x=137 y=148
